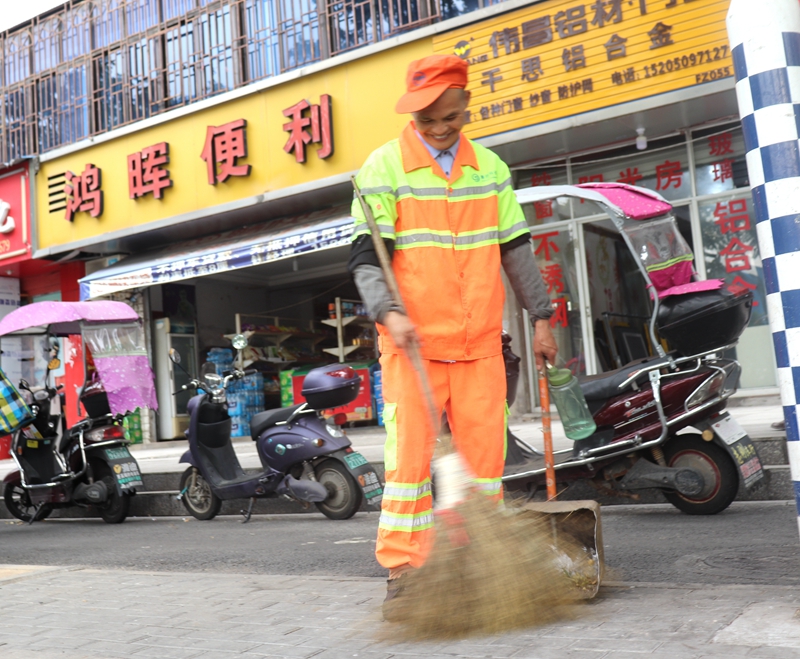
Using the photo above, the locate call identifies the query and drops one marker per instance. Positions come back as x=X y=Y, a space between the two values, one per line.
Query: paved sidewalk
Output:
x=100 y=614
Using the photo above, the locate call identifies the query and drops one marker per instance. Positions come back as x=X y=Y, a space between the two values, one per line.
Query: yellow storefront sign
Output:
x=130 y=169
x=562 y=58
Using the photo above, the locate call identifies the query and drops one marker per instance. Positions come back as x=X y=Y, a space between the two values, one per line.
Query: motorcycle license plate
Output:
x=728 y=430
x=125 y=468
x=741 y=449
x=355 y=460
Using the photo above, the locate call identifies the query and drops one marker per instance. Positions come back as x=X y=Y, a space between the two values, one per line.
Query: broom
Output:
x=489 y=570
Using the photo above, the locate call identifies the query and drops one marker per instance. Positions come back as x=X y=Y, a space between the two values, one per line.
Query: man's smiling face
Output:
x=441 y=122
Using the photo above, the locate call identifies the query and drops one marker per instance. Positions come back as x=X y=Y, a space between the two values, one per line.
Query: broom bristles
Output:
x=507 y=576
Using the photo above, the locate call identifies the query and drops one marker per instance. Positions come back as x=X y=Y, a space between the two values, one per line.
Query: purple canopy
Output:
x=64 y=318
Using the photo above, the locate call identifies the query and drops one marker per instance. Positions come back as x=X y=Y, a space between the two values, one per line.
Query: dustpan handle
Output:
x=412 y=350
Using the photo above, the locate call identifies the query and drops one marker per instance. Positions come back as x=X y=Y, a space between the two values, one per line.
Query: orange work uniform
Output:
x=447 y=234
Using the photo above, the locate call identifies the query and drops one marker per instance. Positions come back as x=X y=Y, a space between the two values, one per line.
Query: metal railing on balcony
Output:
x=90 y=66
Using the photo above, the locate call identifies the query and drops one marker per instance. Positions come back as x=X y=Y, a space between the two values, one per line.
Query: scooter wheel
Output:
x=18 y=503
x=198 y=498
x=344 y=494
x=115 y=510
x=717 y=468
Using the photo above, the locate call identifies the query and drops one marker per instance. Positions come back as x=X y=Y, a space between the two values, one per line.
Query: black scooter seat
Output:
x=263 y=420
x=606 y=385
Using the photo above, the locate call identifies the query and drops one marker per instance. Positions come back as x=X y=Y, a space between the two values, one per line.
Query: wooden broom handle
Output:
x=549 y=462
x=412 y=349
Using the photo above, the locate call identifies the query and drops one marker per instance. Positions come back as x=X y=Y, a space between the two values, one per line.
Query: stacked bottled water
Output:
x=245 y=400
x=222 y=358
x=245 y=397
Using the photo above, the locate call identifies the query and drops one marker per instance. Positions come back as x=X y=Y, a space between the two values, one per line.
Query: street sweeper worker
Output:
x=450 y=220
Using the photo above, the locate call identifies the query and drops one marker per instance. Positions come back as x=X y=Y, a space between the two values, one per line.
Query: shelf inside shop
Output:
x=348 y=318
x=344 y=349
x=279 y=337
x=364 y=321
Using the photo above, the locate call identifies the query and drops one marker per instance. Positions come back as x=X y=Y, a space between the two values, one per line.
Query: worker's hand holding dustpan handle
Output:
x=412 y=347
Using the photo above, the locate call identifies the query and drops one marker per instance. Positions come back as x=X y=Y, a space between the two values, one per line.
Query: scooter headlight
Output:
x=213 y=380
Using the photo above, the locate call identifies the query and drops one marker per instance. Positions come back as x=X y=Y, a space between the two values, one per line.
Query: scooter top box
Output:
x=331 y=386
x=700 y=321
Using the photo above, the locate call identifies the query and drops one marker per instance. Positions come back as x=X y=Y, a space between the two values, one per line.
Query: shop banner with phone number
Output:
x=565 y=57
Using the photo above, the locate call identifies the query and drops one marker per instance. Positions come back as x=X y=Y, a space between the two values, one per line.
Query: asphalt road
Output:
x=750 y=543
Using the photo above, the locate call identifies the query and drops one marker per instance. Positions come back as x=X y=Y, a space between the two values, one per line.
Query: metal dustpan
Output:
x=575 y=525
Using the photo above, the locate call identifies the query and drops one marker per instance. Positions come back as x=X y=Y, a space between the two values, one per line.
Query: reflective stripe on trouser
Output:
x=473 y=394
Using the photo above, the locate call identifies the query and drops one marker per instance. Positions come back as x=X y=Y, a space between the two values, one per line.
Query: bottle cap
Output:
x=558 y=376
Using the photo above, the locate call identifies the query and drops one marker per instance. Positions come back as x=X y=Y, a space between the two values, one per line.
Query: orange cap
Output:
x=428 y=78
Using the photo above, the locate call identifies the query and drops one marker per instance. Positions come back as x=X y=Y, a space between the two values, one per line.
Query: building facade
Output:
x=196 y=155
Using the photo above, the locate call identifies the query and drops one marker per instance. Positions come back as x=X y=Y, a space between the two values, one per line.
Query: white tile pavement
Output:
x=103 y=614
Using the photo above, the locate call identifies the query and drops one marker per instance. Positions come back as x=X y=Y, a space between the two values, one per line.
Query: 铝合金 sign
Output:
x=565 y=57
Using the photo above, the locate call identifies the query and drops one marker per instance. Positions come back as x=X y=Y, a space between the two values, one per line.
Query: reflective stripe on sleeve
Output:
x=512 y=232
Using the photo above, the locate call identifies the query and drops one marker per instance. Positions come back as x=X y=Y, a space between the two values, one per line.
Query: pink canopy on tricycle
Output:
x=64 y=318
x=644 y=221
x=114 y=336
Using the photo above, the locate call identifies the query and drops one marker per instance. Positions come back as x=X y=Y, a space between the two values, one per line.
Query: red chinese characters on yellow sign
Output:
x=224 y=146
x=553 y=276
x=304 y=117
x=147 y=173
x=84 y=193
x=556 y=58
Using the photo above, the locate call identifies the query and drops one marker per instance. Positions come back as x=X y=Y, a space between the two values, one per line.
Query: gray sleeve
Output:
x=526 y=281
x=371 y=285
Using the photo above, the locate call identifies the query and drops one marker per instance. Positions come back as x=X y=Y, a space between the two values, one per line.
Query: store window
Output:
x=731 y=253
x=713 y=212
x=662 y=167
x=554 y=253
x=720 y=164
x=548 y=211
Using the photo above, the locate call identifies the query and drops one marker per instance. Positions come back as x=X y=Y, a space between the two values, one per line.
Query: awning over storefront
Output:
x=242 y=248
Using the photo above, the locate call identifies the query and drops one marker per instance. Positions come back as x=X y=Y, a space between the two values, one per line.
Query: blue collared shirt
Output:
x=445 y=157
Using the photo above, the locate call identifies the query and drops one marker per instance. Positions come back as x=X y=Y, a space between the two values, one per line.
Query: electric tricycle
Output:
x=661 y=422
x=88 y=464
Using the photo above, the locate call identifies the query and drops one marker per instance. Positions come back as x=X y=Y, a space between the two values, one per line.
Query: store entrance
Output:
x=297 y=314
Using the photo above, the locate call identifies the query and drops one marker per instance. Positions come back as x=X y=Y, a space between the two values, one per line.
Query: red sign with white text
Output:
x=15 y=219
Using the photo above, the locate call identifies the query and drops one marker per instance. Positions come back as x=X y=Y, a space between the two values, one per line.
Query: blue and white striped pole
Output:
x=765 y=43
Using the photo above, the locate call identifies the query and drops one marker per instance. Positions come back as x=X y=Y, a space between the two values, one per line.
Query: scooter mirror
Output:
x=239 y=341
x=174 y=356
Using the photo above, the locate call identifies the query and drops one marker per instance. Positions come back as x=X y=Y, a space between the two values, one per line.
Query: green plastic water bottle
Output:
x=570 y=403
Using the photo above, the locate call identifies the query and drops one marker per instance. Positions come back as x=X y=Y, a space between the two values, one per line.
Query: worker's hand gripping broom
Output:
x=489 y=570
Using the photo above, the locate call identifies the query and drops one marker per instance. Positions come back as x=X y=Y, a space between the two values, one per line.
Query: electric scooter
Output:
x=304 y=457
x=86 y=465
